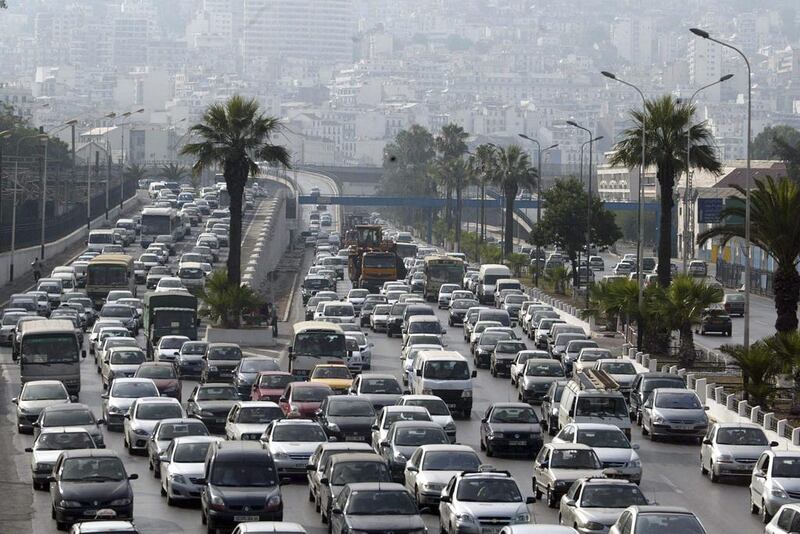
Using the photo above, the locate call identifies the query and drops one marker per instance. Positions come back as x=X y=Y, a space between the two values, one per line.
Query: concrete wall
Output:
x=271 y=242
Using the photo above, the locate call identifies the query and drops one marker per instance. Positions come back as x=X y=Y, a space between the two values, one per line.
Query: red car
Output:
x=303 y=399
x=269 y=385
x=165 y=377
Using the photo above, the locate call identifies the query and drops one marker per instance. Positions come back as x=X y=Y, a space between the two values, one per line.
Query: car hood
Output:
x=122 y=403
x=145 y=424
x=293 y=447
x=305 y=407
x=386 y=523
x=742 y=451
x=789 y=484
x=36 y=406
x=442 y=420
x=436 y=477
x=250 y=428
x=163 y=383
x=607 y=454
x=605 y=516
x=335 y=383
x=682 y=415
x=529 y=381
x=270 y=392
x=352 y=422
x=190 y=469
x=123 y=368
x=95 y=491
x=216 y=405
x=515 y=427
x=575 y=474
x=495 y=509
x=380 y=399
x=245 y=496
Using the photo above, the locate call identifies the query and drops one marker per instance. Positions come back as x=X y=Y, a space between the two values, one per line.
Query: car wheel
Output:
x=164 y=493
x=645 y=432
x=765 y=515
x=753 y=507
x=703 y=470
x=482 y=445
x=489 y=451
x=62 y=526
x=714 y=477
x=550 y=497
x=492 y=371
x=310 y=495
x=536 y=492
x=157 y=471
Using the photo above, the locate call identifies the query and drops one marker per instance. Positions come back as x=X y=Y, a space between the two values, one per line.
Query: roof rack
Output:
x=596 y=379
x=484 y=470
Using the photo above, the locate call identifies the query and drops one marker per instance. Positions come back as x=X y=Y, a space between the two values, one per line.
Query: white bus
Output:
x=160 y=221
x=315 y=342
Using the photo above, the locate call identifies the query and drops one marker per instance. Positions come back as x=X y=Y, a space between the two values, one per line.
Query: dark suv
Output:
x=716 y=320
x=241 y=485
x=643 y=386
x=219 y=362
x=394 y=325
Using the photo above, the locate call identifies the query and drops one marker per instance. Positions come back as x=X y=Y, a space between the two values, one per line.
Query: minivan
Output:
x=580 y=405
x=488 y=276
x=446 y=374
x=501 y=316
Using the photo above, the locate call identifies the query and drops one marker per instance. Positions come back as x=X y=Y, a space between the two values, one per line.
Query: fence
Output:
x=732 y=275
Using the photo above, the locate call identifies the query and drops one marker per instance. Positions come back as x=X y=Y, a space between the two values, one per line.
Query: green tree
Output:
x=666 y=125
x=483 y=166
x=406 y=169
x=235 y=135
x=558 y=278
x=564 y=221
x=513 y=172
x=774 y=224
x=450 y=146
x=613 y=299
x=57 y=150
x=172 y=172
x=759 y=368
x=516 y=262
x=782 y=142
x=226 y=302
x=680 y=307
x=785 y=350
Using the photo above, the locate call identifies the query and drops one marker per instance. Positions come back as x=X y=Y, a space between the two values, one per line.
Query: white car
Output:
x=122 y=393
x=248 y=420
x=98 y=326
x=391 y=414
x=410 y=355
x=291 y=443
x=431 y=467
x=142 y=417
x=609 y=443
x=437 y=409
x=52 y=441
x=170 y=283
x=446 y=294
x=518 y=365
x=183 y=466
x=169 y=347
x=110 y=342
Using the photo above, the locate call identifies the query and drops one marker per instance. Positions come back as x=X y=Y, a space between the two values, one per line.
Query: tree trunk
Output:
x=666 y=180
x=448 y=211
x=235 y=180
x=574 y=262
x=508 y=237
x=686 y=351
x=787 y=292
x=458 y=219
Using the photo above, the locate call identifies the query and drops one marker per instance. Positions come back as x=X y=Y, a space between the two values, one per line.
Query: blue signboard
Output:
x=709 y=210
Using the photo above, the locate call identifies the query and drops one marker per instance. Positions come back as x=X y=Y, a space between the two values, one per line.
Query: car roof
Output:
x=90 y=453
x=377 y=486
x=511 y=405
x=61 y=429
x=416 y=424
x=357 y=457
x=238 y=448
x=446 y=447
x=385 y=376
x=569 y=446
x=595 y=426
x=295 y=422
x=404 y=408
x=654 y=508
x=675 y=390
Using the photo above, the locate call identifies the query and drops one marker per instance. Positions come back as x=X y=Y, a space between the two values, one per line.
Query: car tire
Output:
x=645 y=432
x=163 y=492
x=712 y=476
x=765 y=515
x=61 y=526
x=550 y=497
x=310 y=495
x=489 y=451
x=753 y=507
x=703 y=470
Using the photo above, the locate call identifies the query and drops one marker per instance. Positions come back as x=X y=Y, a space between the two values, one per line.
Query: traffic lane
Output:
x=762 y=324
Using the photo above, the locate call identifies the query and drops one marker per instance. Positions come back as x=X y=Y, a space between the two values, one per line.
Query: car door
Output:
x=567 y=434
x=540 y=468
x=230 y=423
x=412 y=470
x=647 y=409
x=355 y=385
x=783 y=523
x=706 y=446
x=337 y=511
x=191 y=405
x=485 y=423
x=376 y=429
x=446 y=503
x=759 y=478
x=624 y=524
x=567 y=513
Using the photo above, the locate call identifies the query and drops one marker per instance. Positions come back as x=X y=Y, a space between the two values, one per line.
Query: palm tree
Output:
x=667 y=123
x=774 y=223
x=235 y=135
x=613 y=299
x=680 y=306
x=759 y=368
x=135 y=172
x=450 y=145
x=173 y=172
x=482 y=167
x=454 y=173
x=785 y=348
x=514 y=171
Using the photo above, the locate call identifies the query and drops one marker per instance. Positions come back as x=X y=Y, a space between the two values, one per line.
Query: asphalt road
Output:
x=671 y=471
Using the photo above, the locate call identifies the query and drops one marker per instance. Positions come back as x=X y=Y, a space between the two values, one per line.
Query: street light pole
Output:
x=108 y=158
x=687 y=237
x=3 y=135
x=748 y=179
x=122 y=156
x=590 y=142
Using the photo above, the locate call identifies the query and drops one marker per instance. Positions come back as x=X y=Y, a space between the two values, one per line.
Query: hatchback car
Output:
x=593 y=505
x=164 y=376
x=403 y=439
x=775 y=481
x=211 y=403
x=247 y=420
x=72 y=415
x=303 y=399
x=142 y=417
x=558 y=465
x=732 y=449
x=246 y=372
x=291 y=443
x=715 y=320
x=183 y=466
x=346 y=418
x=611 y=446
x=675 y=413
x=164 y=432
x=52 y=441
x=431 y=467
x=350 y=468
x=35 y=397
x=219 y=362
x=269 y=385
x=375 y=507
x=536 y=377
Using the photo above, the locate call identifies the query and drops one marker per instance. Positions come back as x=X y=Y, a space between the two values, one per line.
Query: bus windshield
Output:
x=379 y=261
x=49 y=348
x=319 y=344
x=448 y=272
x=107 y=275
x=156 y=224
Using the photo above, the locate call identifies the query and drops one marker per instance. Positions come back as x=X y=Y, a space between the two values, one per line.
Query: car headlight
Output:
x=217 y=500
x=450 y=427
x=466 y=394
x=212 y=368
x=593 y=525
x=779 y=493
x=274 y=502
x=177 y=478
x=333 y=427
x=140 y=431
x=522 y=518
x=426 y=391
x=280 y=455
x=465 y=518
x=120 y=502
x=433 y=486
x=635 y=463
x=724 y=459
x=41 y=466
x=657 y=419
x=114 y=409
x=69 y=504
x=399 y=458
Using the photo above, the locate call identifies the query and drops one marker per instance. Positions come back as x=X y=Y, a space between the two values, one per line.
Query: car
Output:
x=380 y=389
x=183 y=467
x=49 y=445
x=536 y=377
x=164 y=432
x=622 y=371
x=389 y=415
x=291 y=443
x=573 y=349
x=248 y=420
x=111 y=338
x=164 y=376
x=239 y=475
x=644 y=384
x=445 y=295
x=121 y=362
x=458 y=310
x=734 y=304
x=124 y=313
x=785 y=521
x=674 y=412
x=431 y=467
x=350 y=468
x=356 y=297
x=346 y=418
x=35 y=396
x=657 y=519
x=319 y=461
x=303 y=399
x=697 y=268
x=190 y=358
x=169 y=347
x=403 y=438
x=72 y=415
x=594 y=504
x=170 y=283
x=337 y=376
x=588 y=357
x=269 y=527
x=509 y=427
x=269 y=385
x=715 y=320
x=438 y=410
x=558 y=465
x=155 y=274
x=610 y=444
x=211 y=402
x=142 y=417
x=375 y=507
x=518 y=364
x=98 y=327
x=87 y=480
x=774 y=481
x=473 y=499
x=732 y=449
x=245 y=373
x=219 y=362
x=503 y=356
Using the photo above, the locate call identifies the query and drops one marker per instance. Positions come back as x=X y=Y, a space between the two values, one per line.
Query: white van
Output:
x=154 y=188
x=337 y=312
x=446 y=374
x=99 y=239
x=488 y=276
x=586 y=400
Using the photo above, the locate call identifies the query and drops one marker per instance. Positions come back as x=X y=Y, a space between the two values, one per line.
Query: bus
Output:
x=49 y=349
x=406 y=250
x=441 y=270
x=314 y=343
x=108 y=272
x=160 y=221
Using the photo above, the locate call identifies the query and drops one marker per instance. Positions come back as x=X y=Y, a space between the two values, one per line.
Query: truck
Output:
x=50 y=349
x=372 y=260
x=169 y=313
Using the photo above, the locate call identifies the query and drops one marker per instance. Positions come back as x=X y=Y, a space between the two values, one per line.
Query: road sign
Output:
x=709 y=210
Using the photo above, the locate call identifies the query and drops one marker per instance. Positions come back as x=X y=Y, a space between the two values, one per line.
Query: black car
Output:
x=366 y=313
x=394 y=325
x=87 y=480
x=510 y=427
x=347 y=418
x=503 y=356
x=644 y=384
x=245 y=374
x=72 y=414
x=715 y=320
x=314 y=283
x=211 y=403
x=241 y=485
x=458 y=309
x=219 y=362
x=375 y=507
x=484 y=348
x=550 y=405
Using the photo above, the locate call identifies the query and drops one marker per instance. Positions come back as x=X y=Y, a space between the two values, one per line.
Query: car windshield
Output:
x=514 y=415
x=488 y=490
x=310 y=394
x=574 y=459
x=650 y=385
x=217 y=393
x=451 y=461
x=92 y=470
x=515 y=299
x=133 y=390
x=34 y=392
x=447 y=370
x=667 y=523
x=424 y=339
x=381 y=503
x=613 y=439
x=255 y=365
x=490 y=339
x=414 y=437
x=154 y=411
x=592 y=356
x=127 y=357
x=544 y=369
x=116 y=311
x=388 y=386
x=224 y=353
x=243 y=474
x=611 y=496
x=353 y=472
x=191 y=453
x=193 y=348
x=335 y=372
x=259 y=414
x=786 y=467
x=678 y=401
x=602 y=407
x=173 y=343
x=62 y=441
x=302 y=433
x=381 y=309
x=274 y=381
x=509 y=347
x=350 y=408
x=339 y=310
x=741 y=436
x=156 y=372
x=357 y=294
x=404 y=415
x=68 y=418
x=434 y=406
x=619 y=368
x=576 y=346
x=169 y=431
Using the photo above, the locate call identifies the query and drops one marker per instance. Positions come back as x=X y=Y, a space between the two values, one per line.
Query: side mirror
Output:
x=133 y=476
x=474 y=373
x=706 y=441
x=310 y=467
x=15 y=400
x=73 y=398
x=127 y=416
x=336 y=511
x=445 y=498
x=164 y=459
x=283 y=399
x=706 y=408
x=635 y=446
x=444 y=332
x=36 y=424
x=51 y=478
x=374 y=427
x=530 y=500
x=412 y=469
x=324 y=481
x=384 y=444
x=83 y=353
x=28 y=449
x=418 y=372
x=484 y=420
x=773 y=443
x=104 y=396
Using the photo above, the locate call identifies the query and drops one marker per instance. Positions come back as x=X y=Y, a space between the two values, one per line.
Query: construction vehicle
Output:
x=372 y=260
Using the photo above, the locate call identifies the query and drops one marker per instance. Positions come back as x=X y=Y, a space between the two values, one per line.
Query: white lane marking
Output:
x=671 y=485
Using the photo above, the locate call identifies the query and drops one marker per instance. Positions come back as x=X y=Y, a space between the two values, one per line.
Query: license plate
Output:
x=517 y=443
x=490 y=530
x=451 y=405
x=90 y=513
x=354 y=437
x=683 y=427
x=243 y=518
